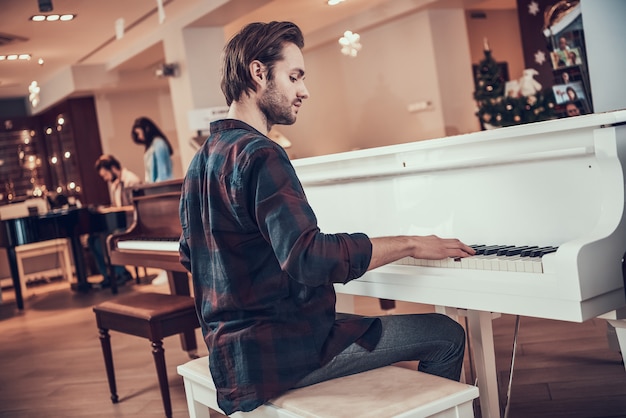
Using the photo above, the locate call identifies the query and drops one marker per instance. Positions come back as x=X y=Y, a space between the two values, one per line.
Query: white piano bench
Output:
x=58 y=246
x=383 y=393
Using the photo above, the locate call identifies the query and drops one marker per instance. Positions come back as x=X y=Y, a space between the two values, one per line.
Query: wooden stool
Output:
x=36 y=249
x=382 y=393
x=153 y=316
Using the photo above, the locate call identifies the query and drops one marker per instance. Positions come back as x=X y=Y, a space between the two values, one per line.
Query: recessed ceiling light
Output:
x=333 y=2
x=14 y=57
x=52 y=18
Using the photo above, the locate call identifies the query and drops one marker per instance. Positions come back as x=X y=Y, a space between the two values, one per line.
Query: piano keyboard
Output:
x=149 y=245
x=525 y=259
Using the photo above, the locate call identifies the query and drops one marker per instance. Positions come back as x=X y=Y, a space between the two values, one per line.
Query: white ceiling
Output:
x=90 y=38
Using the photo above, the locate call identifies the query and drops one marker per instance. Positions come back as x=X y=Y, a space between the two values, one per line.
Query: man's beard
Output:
x=276 y=107
x=113 y=177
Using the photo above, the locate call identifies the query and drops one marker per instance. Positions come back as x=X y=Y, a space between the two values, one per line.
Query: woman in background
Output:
x=157 y=161
x=157 y=158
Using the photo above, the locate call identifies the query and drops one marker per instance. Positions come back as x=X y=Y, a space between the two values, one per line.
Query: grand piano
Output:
x=558 y=184
x=71 y=222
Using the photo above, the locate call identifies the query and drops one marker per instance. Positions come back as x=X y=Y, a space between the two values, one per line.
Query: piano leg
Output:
x=79 y=263
x=483 y=353
x=620 y=330
x=15 y=275
x=179 y=285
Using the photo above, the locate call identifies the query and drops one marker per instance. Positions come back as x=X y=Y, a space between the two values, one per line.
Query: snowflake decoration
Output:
x=533 y=8
x=540 y=57
x=350 y=44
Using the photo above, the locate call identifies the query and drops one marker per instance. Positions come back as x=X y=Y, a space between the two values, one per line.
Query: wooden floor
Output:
x=51 y=364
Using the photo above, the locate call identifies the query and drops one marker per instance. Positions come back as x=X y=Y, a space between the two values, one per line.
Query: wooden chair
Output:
x=153 y=316
x=385 y=392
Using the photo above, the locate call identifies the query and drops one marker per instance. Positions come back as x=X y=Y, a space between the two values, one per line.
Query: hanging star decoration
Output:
x=533 y=8
x=540 y=57
x=350 y=43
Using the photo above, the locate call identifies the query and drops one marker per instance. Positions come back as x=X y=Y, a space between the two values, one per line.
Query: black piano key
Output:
x=518 y=250
x=545 y=251
x=528 y=251
x=482 y=250
x=540 y=252
x=495 y=249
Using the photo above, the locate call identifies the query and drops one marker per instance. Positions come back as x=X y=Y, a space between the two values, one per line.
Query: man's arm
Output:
x=386 y=250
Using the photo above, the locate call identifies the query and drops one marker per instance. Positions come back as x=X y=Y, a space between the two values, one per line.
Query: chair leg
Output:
x=105 y=342
x=159 y=362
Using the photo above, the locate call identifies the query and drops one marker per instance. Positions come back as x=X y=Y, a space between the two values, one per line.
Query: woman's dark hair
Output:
x=107 y=161
x=574 y=95
x=257 y=41
x=150 y=131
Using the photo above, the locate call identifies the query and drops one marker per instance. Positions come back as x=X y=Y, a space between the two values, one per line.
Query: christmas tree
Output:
x=514 y=107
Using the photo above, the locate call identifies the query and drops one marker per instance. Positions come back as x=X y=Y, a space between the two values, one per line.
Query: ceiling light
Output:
x=52 y=18
x=34 y=90
x=333 y=2
x=350 y=43
x=14 y=57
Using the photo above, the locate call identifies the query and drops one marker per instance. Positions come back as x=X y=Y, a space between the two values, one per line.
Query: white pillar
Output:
x=197 y=85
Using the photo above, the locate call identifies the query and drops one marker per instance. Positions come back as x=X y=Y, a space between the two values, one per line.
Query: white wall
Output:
x=362 y=102
x=355 y=102
x=116 y=113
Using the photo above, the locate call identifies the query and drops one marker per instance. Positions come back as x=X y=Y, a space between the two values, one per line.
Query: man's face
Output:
x=572 y=110
x=107 y=175
x=283 y=94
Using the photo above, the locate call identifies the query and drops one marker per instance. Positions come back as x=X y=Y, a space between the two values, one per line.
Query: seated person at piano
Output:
x=262 y=270
x=120 y=182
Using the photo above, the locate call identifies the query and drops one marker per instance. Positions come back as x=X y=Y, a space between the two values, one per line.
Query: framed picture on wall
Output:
x=570 y=92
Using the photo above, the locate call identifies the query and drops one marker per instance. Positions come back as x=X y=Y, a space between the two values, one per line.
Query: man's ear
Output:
x=258 y=72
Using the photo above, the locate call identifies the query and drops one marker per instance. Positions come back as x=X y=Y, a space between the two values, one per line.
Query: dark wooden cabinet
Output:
x=53 y=151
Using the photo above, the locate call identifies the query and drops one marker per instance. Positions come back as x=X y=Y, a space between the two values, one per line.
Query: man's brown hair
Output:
x=257 y=41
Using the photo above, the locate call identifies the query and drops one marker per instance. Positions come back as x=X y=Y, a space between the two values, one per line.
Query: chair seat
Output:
x=147 y=306
x=384 y=392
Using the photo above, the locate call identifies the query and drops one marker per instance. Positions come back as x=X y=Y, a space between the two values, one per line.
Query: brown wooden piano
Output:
x=152 y=239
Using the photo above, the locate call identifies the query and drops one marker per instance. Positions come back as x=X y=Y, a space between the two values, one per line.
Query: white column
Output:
x=197 y=51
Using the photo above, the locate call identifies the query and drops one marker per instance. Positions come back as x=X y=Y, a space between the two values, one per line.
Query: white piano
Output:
x=558 y=183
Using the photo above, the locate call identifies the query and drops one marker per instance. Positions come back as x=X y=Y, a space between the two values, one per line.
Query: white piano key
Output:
x=145 y=245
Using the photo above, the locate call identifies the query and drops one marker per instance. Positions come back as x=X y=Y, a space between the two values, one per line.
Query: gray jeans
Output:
x=435 y=340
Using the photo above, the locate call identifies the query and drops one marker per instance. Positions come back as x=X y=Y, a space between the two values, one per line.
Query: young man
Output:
x=119 y=182
x=262 y=270
x=119 y=179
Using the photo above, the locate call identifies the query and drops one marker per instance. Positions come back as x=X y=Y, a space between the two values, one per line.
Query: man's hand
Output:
x=386 y=250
